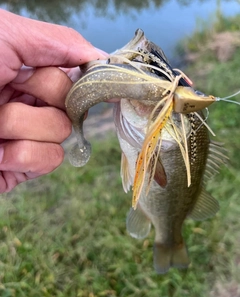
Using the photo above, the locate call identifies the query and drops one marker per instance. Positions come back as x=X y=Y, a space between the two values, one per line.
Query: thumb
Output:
x=36 y=44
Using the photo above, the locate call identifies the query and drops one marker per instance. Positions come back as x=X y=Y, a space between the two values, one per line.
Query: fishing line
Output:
x=226 y=98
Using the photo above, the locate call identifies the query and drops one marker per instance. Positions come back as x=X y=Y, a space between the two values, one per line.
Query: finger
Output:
x=30 y=157
x=10 y=179
x=36 y=43
x=29 y=100
x=73 y=73
x=49 y=84
x=6 y=93
x=24 y=74
x=21 y=121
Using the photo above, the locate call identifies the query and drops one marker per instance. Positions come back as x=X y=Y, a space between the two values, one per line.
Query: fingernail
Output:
x=24 y=74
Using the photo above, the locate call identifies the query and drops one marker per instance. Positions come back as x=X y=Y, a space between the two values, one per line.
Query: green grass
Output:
x=206 y=29
x=64 y=235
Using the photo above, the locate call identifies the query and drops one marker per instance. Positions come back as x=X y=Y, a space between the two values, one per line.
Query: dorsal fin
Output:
x=216 y=157
x=205 y=207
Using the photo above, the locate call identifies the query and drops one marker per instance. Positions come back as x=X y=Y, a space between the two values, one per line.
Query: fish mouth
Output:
x=199 y=93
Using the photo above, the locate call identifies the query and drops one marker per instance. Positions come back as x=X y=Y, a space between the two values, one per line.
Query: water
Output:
x=111 y=24
x=165 y=25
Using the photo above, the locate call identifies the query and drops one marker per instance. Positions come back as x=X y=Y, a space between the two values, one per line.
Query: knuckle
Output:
x=23 y=152
x=30 y=157
x=38 y=157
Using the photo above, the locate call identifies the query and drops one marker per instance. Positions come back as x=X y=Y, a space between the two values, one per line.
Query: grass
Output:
x=206 y=29
x=64 y=235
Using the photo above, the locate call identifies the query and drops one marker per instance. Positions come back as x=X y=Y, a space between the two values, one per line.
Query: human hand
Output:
x=33 y=122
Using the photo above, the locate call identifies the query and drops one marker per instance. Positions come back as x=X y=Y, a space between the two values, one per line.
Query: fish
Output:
x=167 y=154
x=170 y=200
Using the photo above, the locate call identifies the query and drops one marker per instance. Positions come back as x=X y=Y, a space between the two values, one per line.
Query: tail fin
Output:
x=166 y=257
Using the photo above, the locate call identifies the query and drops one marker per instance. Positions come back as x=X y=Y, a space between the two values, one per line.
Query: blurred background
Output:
x=109 y=24
x=64 y=234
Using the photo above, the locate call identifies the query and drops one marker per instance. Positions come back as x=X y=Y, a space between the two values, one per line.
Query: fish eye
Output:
x=199 y=93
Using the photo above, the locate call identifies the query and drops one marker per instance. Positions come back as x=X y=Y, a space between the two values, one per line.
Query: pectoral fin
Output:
x=125 y=173
x=205 y=207
x=160 y=176
x=217 y=156
x=138 y=225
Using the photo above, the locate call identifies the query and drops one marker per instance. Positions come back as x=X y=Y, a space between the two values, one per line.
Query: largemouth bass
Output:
x=170 y=200
x=166 y=151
